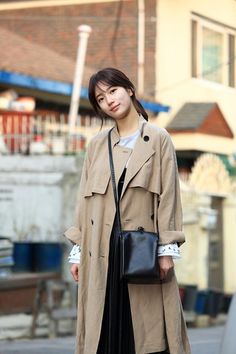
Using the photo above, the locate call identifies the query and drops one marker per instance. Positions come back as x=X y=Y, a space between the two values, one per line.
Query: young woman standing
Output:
x=115 y=317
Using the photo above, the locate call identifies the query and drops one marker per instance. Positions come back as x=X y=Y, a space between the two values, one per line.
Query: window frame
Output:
x=229 y=47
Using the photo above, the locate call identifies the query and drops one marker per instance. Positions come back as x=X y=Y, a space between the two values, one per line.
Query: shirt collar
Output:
x=115 y=134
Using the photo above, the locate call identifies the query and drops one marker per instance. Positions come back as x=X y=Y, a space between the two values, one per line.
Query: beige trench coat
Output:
x=150 y=192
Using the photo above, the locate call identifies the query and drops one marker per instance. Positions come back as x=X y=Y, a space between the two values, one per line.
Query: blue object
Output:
x=22 y=255
x=190 y=297
x=154 y=106
x=200 y=305
x=37 y=83
x=226 y=302
x=214 y=302
x=47 y=257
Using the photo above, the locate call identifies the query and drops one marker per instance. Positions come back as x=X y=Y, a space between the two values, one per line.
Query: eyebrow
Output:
x=103 y=90
x=98 y=95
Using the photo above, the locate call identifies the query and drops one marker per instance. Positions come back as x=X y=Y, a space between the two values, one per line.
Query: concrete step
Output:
x=18 y=326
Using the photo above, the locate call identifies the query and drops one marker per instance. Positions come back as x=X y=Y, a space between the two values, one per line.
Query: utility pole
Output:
x=141 y=45
x=83 y=34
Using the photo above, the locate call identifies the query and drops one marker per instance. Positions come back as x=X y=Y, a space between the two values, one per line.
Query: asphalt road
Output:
x=203 y=341
x=206 y=340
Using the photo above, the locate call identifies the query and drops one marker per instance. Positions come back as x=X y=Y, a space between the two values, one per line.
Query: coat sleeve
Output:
x=169 y=210
x=74 y=232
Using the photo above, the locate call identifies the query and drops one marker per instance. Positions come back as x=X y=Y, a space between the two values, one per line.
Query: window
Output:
x=212 y=55
x=213 y=51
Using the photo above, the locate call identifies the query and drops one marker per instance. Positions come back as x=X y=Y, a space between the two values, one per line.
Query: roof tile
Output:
x=22 y=56
x=191 y=115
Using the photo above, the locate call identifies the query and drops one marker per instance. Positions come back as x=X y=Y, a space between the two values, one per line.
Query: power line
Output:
x=117 y=25
x=198 y=76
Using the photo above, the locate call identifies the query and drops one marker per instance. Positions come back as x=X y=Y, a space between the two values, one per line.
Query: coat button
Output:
x=146 y=138
x=92 y=221
x=90 y=254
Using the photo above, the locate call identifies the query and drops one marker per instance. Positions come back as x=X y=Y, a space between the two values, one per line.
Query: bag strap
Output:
x=113 y=179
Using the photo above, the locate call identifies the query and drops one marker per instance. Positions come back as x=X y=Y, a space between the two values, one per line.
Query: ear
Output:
x=130 y=92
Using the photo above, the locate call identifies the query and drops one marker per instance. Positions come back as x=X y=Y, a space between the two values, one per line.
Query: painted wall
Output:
x=192 y=268
x=194 y=264
x=175 y=86
x=199 y=142
x=229 y=230
x=37 y=196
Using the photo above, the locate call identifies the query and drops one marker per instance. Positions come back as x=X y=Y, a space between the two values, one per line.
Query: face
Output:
x=115 y=101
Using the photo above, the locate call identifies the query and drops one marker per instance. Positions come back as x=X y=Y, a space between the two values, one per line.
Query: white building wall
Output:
x=175 y=86
x=37 y=196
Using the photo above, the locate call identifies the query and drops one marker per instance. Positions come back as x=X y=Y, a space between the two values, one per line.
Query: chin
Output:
x=122 y=115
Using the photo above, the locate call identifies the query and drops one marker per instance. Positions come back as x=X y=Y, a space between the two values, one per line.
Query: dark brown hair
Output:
x=112 y=77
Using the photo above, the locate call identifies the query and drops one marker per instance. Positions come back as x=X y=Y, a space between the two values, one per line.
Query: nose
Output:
x=109 y=99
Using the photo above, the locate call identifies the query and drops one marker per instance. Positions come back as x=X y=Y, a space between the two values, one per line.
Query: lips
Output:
x=114 y=108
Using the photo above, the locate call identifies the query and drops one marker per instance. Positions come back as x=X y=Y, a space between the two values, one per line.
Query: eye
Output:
x=113 y=90
x=100 y=99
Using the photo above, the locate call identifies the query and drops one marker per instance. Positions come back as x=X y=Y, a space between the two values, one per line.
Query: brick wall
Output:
x=55 y=27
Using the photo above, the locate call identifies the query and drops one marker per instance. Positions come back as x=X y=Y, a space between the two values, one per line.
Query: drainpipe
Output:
x=141 y=46
x=83 y=33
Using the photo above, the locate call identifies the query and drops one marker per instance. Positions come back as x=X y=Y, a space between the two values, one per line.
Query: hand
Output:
x=166 y=263
x=75 y=271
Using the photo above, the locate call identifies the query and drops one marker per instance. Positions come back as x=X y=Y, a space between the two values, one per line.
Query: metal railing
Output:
x=28 y=134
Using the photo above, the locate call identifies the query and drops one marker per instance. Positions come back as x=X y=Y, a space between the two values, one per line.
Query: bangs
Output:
x=110 y=77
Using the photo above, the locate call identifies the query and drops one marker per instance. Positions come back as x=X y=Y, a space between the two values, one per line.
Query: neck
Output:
x=128 y=124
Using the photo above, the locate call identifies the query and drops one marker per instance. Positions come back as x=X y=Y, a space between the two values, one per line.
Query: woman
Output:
x=113 y=317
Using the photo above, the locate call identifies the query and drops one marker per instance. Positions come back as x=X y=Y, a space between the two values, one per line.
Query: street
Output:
x=203 y=341
x=206 y=340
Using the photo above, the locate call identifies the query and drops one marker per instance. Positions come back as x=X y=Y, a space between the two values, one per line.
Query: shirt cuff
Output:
x=170 y=249
x=74 y=256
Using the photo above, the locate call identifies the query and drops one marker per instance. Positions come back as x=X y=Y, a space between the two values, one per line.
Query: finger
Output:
x=72 y=273
x=75 y=276
x=75 y=272
x=162 y=274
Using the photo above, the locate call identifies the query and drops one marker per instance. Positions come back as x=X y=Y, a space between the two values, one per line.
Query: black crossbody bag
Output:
x=138 y=248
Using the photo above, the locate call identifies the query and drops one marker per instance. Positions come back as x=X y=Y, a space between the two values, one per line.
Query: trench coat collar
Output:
x=115 y=137
x=141 y=153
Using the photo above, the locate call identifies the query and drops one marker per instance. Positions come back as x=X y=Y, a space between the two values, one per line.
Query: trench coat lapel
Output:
x=120 y=158
x=120 y=154
x=141 y=153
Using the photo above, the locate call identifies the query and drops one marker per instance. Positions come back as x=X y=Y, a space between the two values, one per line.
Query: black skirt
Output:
x=117 y=330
